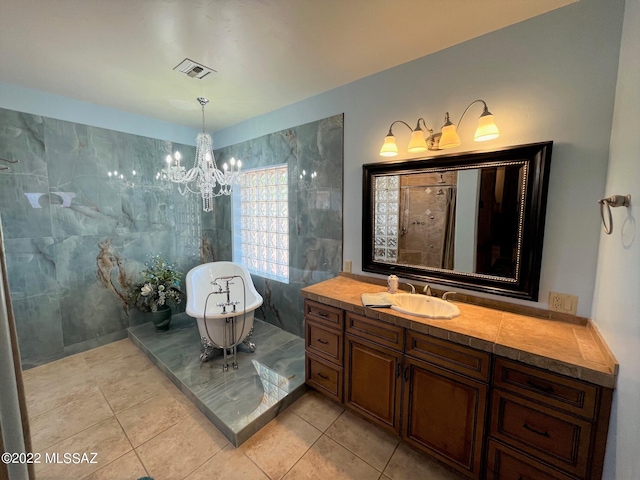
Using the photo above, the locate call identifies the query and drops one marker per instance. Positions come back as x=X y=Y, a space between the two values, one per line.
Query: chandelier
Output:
x=204 y=178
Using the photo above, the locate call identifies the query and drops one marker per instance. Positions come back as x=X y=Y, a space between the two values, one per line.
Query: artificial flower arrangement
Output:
x=161 y=284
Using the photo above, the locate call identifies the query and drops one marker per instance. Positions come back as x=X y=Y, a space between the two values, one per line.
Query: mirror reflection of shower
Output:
x=427 y=220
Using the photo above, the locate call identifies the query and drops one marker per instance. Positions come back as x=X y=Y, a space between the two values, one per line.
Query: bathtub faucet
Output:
x=227 y=291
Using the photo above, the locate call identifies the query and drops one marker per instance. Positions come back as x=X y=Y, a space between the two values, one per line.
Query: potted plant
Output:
x=159 y=289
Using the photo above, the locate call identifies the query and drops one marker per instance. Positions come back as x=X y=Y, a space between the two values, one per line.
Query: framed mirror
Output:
x=471 y=220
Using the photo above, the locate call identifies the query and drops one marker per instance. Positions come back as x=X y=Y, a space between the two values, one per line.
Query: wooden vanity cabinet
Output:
x=483 y=415
x=547 y=422
x=445 y=401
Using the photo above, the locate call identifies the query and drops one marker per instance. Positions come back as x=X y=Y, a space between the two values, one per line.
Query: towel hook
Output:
x=612 y=201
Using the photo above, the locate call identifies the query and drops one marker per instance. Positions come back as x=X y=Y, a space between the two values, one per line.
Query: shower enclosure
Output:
x=427 y=220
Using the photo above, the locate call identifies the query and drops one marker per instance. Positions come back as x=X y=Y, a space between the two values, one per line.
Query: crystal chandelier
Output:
x=204 y=178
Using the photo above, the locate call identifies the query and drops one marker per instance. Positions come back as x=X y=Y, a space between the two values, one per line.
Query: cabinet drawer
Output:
x=555 y=437
x=554 y=390
x=457 y=358
x=504 y=463
x=324 y=342
x=382 y=333
x=324 y=376
x=332 y=316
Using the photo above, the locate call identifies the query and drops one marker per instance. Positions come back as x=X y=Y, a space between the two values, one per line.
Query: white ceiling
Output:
x=267 y=53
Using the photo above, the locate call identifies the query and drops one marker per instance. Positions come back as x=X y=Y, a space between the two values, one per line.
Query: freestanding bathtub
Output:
x=230 y=297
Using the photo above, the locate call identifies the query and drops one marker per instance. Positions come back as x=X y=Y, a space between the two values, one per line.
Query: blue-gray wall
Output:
x=551 y=77
x=315 y=226
x=616 y=306
x=76 y=238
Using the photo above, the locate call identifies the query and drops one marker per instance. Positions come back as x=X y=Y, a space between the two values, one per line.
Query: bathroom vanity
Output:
x=492 y=394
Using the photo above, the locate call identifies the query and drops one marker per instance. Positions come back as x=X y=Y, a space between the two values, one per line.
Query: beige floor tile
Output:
x=130 y=390
x=374 y=445
x=106 y=439
x=109 y=352
x=329 y=460
x=280 y=444
x=127 y=467
x=120 y=367
x=317 y=409
x=181 y=449
x=150 y=417
x=54 y=371
x=53 y=395
x=407 y=464
x=55 y=425
x=228 y=463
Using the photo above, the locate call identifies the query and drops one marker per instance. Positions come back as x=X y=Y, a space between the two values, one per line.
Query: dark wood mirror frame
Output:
x=525 y=284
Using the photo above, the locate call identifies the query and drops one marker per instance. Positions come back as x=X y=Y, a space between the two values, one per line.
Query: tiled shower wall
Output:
x=315 y=212
x=75 y=237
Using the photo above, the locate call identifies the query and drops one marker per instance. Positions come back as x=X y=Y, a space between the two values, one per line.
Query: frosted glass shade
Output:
x=487 y=129
x=417 y=143
x=449 y=137
x=389 y=148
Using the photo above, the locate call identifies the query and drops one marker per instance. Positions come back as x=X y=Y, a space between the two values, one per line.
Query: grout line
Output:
x=363 y=459
x=257 y=466
x=305 y=452
x=389 y=461
x=141 y=462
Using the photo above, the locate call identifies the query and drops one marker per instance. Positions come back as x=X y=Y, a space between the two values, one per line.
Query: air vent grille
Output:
x=193 y=69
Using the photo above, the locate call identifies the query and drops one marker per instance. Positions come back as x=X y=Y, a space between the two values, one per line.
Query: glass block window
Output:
x=387 y=204
x=261 y=222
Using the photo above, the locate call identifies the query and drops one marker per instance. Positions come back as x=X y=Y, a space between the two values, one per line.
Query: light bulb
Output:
x=177 y=156
x=168 y=159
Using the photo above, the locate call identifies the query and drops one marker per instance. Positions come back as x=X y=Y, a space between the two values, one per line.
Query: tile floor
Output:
x=112 y=400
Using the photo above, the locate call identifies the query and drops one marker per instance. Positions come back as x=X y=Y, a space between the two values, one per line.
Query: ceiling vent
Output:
x=193 y=69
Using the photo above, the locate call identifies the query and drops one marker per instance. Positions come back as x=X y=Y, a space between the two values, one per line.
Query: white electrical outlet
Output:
x=347 y=266
x=563 y=302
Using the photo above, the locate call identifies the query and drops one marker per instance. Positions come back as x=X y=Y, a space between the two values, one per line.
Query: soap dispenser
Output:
x=392 y=282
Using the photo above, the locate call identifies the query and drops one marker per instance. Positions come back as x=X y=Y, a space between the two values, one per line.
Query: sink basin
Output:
x=424 y=306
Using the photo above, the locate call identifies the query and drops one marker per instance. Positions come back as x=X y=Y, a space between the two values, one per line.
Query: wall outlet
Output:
x=347 y=266
x=563 y=302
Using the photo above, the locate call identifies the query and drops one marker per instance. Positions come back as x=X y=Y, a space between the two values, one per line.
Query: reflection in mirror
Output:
x=460 y=218
x=416 y=222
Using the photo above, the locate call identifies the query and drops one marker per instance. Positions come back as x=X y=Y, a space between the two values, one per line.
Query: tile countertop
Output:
x=577 y=351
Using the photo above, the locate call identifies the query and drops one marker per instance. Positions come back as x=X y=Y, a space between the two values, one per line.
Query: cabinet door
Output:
x=444 y=415
x=373 y=381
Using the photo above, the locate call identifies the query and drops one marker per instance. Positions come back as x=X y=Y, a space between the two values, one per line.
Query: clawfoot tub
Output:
x=222 y=298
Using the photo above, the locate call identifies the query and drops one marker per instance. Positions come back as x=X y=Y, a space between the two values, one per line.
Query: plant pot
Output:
x=162 y=318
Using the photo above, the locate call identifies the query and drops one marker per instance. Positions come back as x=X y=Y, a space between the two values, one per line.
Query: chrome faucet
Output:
x=227 y=291
x=413 y=289
x=446 y=295
x=427 y=290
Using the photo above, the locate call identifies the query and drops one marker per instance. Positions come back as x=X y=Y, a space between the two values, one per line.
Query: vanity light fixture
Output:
x=448 y=138
x=204 y=178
